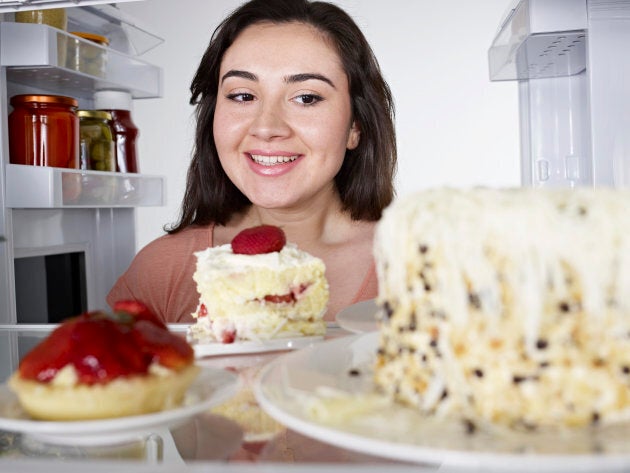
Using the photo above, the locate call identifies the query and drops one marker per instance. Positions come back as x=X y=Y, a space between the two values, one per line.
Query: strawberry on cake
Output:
x=100 y=365
x=257 y=288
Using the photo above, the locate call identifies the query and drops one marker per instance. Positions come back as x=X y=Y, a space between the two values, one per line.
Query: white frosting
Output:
x=68 y=376
x=254 y=326
x=523 y=225
x=222 y=259
x=517 y=300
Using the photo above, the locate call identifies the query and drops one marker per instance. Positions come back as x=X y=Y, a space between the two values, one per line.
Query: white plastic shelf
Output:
x=38 y=55
x=540 y=39
x=47 y=187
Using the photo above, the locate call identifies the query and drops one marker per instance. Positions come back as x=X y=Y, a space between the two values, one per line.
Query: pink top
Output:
x=160 y=276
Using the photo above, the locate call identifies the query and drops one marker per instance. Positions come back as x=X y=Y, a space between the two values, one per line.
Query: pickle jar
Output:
x=97 y=143
x=44 y=131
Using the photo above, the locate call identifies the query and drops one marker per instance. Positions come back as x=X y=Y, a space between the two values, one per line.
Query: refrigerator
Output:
x=68 y=233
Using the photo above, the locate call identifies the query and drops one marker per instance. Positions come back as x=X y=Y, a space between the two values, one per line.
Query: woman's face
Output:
x=283 y=117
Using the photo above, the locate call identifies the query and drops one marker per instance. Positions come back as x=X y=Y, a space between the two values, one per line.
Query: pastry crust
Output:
x=121 y=397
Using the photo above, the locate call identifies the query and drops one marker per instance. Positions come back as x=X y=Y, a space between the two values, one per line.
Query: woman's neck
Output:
x=318 y=223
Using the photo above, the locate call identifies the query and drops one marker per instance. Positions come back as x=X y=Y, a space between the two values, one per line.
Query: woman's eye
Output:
x=242 y=97
x=308 y=99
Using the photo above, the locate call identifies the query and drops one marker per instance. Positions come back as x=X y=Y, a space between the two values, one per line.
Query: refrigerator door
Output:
x=569 y=58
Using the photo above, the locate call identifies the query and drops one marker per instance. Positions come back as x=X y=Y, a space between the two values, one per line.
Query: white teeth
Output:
x=272 y=160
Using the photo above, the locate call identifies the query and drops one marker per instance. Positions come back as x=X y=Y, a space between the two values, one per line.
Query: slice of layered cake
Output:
x=257 y=288
x=507 y=307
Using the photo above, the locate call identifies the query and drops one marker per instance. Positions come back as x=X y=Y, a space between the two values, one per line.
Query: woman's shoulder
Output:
x=190 y=237
x=186 y=241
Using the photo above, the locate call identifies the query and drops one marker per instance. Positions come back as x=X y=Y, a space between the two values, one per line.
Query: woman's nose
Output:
x=270 y=122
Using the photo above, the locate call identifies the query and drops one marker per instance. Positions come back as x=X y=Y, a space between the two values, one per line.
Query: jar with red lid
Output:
x=44 y=131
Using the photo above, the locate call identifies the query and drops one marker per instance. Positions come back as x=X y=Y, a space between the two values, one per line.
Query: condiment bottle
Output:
x=118 y=104
x=97 y=144
x=44 y=131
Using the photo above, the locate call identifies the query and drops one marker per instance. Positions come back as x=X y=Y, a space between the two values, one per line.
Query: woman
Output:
x=294 y=129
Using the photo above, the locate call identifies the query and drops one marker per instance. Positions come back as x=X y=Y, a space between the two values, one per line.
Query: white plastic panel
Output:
x=37 y=55
x=555 y=132
x=47 y=187
x=609 y=64
x=540 y=38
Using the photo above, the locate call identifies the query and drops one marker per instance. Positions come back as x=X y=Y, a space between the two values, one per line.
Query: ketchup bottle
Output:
x=118 y=104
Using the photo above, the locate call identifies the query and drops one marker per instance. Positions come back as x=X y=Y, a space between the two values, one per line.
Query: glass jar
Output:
x=55 y=17
x=97 y=143
x=87 y=55
x=44 y=131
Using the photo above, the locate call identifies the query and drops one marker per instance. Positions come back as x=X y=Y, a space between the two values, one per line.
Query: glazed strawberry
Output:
x=49 y=356
x=138 y=310
x=103 y=346
x=161 y=346
x=259 y=240
x=103 y=350
x=98 y=348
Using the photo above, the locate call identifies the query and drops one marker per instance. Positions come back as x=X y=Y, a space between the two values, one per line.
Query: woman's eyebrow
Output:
x=308 y=76
x=237 y=73
x=293 y=78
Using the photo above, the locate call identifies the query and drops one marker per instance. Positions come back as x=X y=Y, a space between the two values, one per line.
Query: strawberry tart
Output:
x=258 y=287
x=100 y=365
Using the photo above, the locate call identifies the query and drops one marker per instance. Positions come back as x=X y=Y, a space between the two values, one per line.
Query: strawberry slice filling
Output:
x=230 y=335
x=289 y=298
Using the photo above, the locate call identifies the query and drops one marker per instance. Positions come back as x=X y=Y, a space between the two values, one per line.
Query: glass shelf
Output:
x=14 y=5
x=48 y=187
x=125 y=34
x=44 y=57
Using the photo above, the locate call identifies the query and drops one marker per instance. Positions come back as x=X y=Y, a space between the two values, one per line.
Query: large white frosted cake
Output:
x=507 y=307
x=276 y=294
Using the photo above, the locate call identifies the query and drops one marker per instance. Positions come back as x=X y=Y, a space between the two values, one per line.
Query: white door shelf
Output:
x=43 y=57
x=47 y=187
x=540 y=39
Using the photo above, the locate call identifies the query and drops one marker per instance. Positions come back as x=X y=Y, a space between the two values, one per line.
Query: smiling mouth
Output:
x=272 y=160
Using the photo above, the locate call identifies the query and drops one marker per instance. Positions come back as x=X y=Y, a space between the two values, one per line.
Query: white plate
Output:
x=359 y=317
x=212 y=387
x=292 y=384
x=244 y=347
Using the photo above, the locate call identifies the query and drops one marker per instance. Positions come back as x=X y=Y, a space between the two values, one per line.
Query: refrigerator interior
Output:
x=68 y=233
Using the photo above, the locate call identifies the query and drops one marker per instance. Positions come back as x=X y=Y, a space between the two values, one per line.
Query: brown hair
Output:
x=365 y=180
